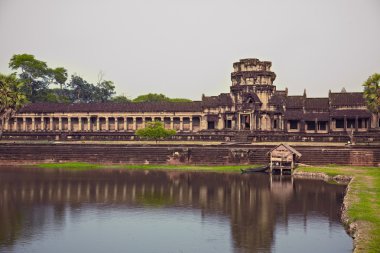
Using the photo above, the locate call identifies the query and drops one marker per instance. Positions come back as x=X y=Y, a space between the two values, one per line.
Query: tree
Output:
x=11 y=98
x=372 y=92
x=104 y=91
x=36 y=75
x=81 y=90
x=120 y=99
x=155 y=131
x=154 y=97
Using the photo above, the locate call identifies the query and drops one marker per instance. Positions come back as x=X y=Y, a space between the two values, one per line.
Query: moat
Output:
x=157 y=211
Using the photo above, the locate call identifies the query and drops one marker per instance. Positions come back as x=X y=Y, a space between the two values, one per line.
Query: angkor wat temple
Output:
x=253 y=107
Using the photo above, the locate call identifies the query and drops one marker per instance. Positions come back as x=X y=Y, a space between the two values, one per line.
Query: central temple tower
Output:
x=252 y=86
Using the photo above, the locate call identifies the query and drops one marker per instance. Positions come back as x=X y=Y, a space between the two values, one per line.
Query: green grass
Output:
x=80 y=166
x=363 y=201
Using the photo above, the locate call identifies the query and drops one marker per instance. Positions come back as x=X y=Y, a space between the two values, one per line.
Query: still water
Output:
x=155 y=211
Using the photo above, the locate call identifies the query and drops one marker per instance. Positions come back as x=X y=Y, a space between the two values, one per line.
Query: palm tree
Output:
x=372 y=92
x=11 y=98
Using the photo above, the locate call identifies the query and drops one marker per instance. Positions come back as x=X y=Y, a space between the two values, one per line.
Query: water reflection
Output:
x=261 y=211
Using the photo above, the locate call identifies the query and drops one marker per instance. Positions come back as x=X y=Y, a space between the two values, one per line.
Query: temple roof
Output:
x=347 y=99
x=223 y=99
x=351 y=113
x=294 y=102
x=195 y=106
x=317 y=103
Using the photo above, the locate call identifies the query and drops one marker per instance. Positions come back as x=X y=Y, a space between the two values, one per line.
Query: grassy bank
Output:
x=80 y=166
x=363 y=202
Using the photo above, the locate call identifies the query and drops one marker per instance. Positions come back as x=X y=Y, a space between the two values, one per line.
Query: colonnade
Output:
x=98 y=123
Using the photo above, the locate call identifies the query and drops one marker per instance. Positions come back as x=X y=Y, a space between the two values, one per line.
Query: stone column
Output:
x=5 y=125
x=143 y=122
x=125 y=124
x=116 y=124
x=68 y=123
x=33 y=124
x=345 y=123
x=181 y=123
x=171 y=122
x=302 y=126
x=316 y=126
x=42 y=124
x=285 y=125
x=24 y=124
x=356 y=123
x=191 y=124
x=107 y=124
x=60 y=124
x=88 y=123
x=97 y=123
x=15 y=124
x=80 y=124
x=134 y=119
x=51 y=120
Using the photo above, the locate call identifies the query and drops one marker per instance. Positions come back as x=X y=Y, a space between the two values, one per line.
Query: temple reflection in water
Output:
x=252 y=204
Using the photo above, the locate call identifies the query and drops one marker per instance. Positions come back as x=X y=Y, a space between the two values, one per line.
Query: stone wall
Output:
x=207 y=155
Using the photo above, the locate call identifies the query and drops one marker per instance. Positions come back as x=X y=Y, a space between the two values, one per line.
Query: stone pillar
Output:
x=345 y=123
x=24 y=124
x=181 y=123
x=143 y=122
x=42 y=124
x=88 y=123
x=51 y=120
x=125 y=124
x=316 y=126
x=116 y=124
x=68 y=123
x=80 y=124
x=15 y=124
x=5 y=125
x=33 y=124
x=60 y=124
x=302 y=126
x=239 y=122
x=134 y=119
x=285 y=125
x=191 y=124
x=356 y=123
x=171 y=122
x=97 y=123
x=107 y=124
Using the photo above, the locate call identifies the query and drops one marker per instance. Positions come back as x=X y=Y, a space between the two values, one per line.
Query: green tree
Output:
x=81 y=90
x=155 y=131
x=11 y=97
x=372 y=92
x=120 y=99
x=154 y=97
x=36 y=75
x=104 y=91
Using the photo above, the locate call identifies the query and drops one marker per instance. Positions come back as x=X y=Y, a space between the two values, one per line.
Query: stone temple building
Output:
x=253 y=105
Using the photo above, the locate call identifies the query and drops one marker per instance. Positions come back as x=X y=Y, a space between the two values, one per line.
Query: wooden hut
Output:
x=283 y=158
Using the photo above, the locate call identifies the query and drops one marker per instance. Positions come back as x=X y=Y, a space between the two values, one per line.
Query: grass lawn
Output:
x=363 y=199
x=80 y=166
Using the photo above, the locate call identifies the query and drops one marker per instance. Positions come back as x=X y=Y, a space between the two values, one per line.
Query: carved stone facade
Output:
x=253 y=104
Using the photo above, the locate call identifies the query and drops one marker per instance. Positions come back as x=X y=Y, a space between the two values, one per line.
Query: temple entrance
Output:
x=245 y=122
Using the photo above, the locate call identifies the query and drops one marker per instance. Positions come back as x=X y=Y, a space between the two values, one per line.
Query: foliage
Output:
x=36 y=75
x=153 y=97
x=372 y=92
x=104 y=90
x=11 y=97
x=120 y=99
x=155 y=131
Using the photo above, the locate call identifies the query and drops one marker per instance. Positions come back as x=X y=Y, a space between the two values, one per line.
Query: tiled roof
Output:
x=195 y=106
x=293 y=114
x=294 y=102
x=351 y=113
x=278 y=98
x=320 y=116
x=317 y=104
x=347 y=99
x=223 y=99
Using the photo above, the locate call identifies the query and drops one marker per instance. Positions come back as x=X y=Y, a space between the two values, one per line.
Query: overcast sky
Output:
x=183 y=48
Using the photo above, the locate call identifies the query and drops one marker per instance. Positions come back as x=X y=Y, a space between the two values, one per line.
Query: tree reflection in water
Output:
x=253 y=204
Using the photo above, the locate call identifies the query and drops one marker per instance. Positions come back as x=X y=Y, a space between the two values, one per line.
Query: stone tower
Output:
x=252 y=86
